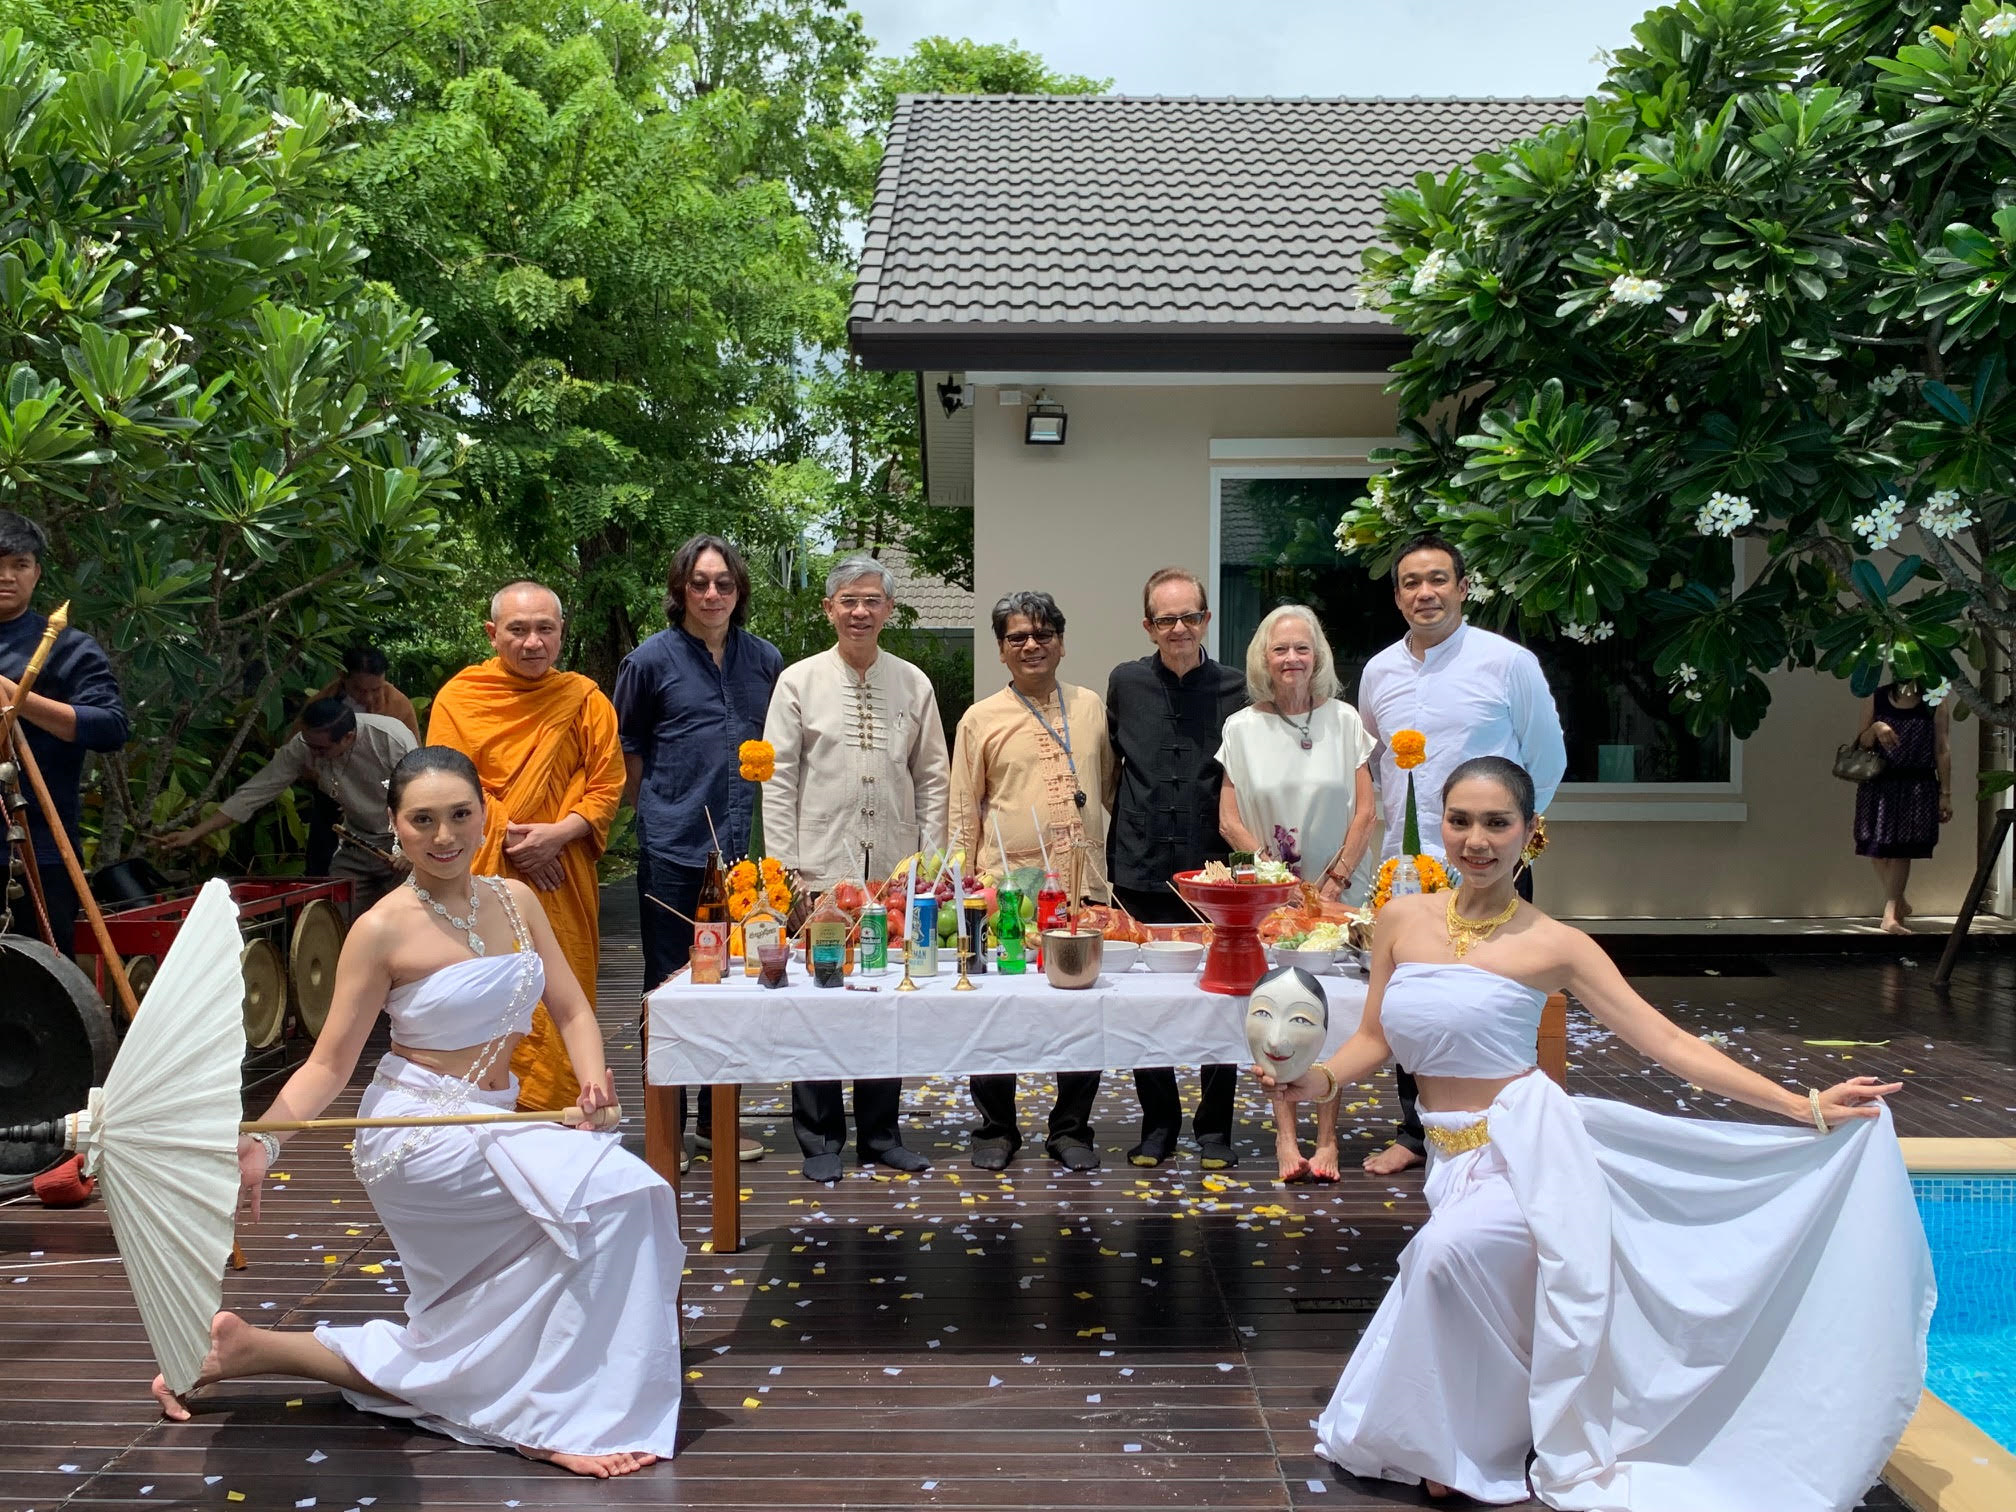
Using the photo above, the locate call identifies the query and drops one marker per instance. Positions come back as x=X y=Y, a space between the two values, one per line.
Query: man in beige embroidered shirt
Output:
x=860 y=784
x=1034 y=752
x=350 y=757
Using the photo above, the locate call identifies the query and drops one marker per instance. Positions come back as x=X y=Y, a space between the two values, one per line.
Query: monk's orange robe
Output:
x=545 y=747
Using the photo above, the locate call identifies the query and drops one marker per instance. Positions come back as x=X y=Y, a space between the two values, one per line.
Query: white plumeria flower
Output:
x=1724 y=514
x=1480 y=590
x=1588 y=635
x=2001 y=24
x=1432 y=267
x=1684 y=673
x=284 y=122
x=1882 y=525
x=1629 y=288
x=1737 y=307
x=1890 y=382
x=1672 y=404
x=1944 y=516
x=1693 y=695
x=463 y=441
x=1942 y=690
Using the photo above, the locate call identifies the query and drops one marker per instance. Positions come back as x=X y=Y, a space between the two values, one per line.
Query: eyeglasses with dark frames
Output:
x=1023 y=637
x=1194 y=619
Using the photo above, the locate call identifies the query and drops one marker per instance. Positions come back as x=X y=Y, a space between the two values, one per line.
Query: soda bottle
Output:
x=827 y=930
x=1008 y=930
x=1050 y=900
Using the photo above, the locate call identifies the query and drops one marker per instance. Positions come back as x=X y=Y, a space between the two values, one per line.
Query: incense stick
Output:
x=712 y=833
x=1188 y=904
x=671 y=910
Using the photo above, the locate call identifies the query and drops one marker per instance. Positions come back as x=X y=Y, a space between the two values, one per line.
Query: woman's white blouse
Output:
x=1299 y=802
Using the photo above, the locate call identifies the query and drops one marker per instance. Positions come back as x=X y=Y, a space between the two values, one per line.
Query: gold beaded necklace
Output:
x=1464 y=933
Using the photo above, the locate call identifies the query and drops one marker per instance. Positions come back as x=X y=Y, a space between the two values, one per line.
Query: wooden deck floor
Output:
x=1112 y=1340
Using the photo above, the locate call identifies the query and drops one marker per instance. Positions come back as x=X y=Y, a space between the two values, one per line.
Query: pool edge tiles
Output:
x=1945 y=1462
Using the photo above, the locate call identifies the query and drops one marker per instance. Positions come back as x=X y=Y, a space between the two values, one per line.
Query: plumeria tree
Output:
x=1760 y=289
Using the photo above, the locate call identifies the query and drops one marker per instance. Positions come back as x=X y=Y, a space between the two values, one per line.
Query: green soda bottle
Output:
x=1013 y=960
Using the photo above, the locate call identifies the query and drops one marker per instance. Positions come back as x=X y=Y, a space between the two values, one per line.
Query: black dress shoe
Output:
x=992 y=1154
x=1076 y=1157
x=1215 y=1153
x=828 y=1167
x=1152 y=1151
x=900 y=1158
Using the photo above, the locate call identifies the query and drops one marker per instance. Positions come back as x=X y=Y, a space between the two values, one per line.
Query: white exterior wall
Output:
x=1131 y=491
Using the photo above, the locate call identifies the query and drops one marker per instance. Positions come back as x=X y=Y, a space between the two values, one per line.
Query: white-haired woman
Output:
x=1298 y=786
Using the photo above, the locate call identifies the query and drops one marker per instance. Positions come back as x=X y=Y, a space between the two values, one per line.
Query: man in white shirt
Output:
x=862 y=780
x=1470 y=693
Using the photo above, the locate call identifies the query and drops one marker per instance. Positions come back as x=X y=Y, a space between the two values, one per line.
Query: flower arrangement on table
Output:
x=1428 y=875
x=756 y=878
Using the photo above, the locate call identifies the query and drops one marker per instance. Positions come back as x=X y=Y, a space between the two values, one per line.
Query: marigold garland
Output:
x=742 y=877
x=1409 y=747
x=1434 y=878
x=778 y=895
x=740 y=903
x=759 y=760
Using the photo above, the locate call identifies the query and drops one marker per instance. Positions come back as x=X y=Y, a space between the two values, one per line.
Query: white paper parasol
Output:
x=161 y=1135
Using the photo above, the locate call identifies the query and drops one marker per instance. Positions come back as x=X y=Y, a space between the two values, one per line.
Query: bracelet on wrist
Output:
x=1813 y=1103
x=271 y=1145
x=1331 y=1077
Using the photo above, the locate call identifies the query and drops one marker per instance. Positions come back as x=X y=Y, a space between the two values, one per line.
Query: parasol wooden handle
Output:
x=605 y=1118
x=78 y=880
x=25 y=684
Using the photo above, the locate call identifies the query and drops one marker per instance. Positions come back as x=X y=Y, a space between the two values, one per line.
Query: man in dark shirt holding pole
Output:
x=1165 y=715
x=74 y=708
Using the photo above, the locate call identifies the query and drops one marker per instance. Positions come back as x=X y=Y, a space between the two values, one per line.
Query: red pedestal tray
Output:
x=1236 y=961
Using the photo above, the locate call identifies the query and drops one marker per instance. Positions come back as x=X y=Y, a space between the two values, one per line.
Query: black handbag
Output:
x=1858 y=763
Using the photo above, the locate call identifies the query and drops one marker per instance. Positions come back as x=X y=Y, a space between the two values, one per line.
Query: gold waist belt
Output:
x=1456 y=1141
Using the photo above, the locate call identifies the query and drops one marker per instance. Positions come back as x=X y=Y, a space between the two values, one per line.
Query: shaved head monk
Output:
x=544 y=743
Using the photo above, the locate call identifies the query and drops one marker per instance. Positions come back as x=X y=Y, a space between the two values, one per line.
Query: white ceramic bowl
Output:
x=1315 y=962
x=1172 y=955
x=1121 y=955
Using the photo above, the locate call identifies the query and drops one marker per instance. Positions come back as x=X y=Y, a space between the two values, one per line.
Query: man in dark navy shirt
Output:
x=74 y=708
x=685 y=701
x=1165 y=717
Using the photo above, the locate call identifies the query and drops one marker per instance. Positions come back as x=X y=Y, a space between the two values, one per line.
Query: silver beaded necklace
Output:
x=467 y=926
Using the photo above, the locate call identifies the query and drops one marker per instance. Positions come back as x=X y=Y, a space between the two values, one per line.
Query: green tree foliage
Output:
x=1762 y=286
x=236 y=441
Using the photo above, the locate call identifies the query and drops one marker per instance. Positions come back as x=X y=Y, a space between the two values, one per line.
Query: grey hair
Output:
x=1322 y=677
x=852 y=569
x=497 y=598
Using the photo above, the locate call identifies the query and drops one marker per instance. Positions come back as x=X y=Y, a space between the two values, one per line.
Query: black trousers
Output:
x=668 y=942
x=324 y=814
x=1408 y=1131
x=1155 y=1086
x=1070 y=1116
x=819 y=1116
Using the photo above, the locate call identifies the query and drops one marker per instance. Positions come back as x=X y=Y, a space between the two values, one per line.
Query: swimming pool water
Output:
x=1971 y=1223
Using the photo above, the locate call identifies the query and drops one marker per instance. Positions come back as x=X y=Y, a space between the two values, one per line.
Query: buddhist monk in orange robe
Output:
x=544 y=743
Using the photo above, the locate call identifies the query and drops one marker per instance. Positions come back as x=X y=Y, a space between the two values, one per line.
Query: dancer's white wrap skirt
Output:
x=1667 y=1314
x=542 y=1266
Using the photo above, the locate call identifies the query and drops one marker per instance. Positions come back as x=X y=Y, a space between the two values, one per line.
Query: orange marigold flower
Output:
x=742 y=876
x=755 y=752
x=779 y=896
x=1409 y=747
x=739 y=904
x=772 y=868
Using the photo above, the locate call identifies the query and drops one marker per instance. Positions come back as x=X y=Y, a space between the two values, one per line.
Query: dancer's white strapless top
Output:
x=469 y=1003
x=1448 y=1019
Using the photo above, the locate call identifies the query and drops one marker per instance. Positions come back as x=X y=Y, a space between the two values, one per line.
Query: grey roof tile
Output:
x=1114 y=210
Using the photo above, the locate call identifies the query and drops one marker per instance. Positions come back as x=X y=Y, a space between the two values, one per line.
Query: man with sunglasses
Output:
x=1034 y=753
x=1166 y=717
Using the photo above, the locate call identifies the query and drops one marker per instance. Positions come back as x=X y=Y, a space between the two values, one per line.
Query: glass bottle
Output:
x=711 y=907
x=1008 y=930
x=763 y=927
x=709 y=959
x=1050 y=900
x=827 y=931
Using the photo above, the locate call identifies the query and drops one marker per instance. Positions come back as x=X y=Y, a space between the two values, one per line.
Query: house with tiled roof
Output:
x=1141 y=339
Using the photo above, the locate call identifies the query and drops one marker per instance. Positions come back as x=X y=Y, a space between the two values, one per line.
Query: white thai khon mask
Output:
x=1286 y=1020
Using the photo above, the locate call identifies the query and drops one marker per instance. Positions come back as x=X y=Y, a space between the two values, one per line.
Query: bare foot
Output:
x=1894 y=925
x=1391 y=1161
x=1292 y=1166
x=1904 y=909
x=230 y=1337
x=601 y=1466
x=1323 y=1164
x=1435 y=1489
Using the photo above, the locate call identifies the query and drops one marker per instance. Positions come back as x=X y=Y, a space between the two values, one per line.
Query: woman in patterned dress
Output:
x=1898 y=812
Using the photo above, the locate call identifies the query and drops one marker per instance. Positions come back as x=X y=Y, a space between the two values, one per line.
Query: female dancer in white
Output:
x=542 y=1262
x=1662 y=1314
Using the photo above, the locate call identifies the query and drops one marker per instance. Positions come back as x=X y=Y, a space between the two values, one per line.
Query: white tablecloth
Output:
x=740 y=1032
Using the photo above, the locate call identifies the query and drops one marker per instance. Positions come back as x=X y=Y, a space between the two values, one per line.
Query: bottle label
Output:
x=710 y=953
x=875 y=941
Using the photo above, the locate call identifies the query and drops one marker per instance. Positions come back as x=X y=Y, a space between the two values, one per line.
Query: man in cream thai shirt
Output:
x=862 y=781
x=1470 y=693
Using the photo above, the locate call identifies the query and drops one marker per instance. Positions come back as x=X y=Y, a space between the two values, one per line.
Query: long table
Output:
x=722 y=1036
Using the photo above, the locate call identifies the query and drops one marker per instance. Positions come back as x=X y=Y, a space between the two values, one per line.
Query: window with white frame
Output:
x=1274 y=534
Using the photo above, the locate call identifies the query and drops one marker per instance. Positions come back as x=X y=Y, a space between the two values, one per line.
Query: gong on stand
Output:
x=56 y=1043
x=312 y=950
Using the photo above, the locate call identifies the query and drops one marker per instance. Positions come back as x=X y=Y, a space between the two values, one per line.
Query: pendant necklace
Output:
x=1302 y=729
x=467 y=926
x=1464 y=933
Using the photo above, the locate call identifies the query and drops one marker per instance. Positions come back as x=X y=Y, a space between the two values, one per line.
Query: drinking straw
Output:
x=995 y=820
x=1188 y=904
x=670 y=909
x=1041 y=848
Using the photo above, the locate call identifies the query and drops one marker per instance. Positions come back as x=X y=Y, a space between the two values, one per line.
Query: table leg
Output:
x=727 y=1158
x=663 y=1138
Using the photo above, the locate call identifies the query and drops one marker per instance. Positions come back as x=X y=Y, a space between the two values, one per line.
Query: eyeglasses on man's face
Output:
x=872 y=602
x=699 y=583
x=1024 y=637
x=1194 y=619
